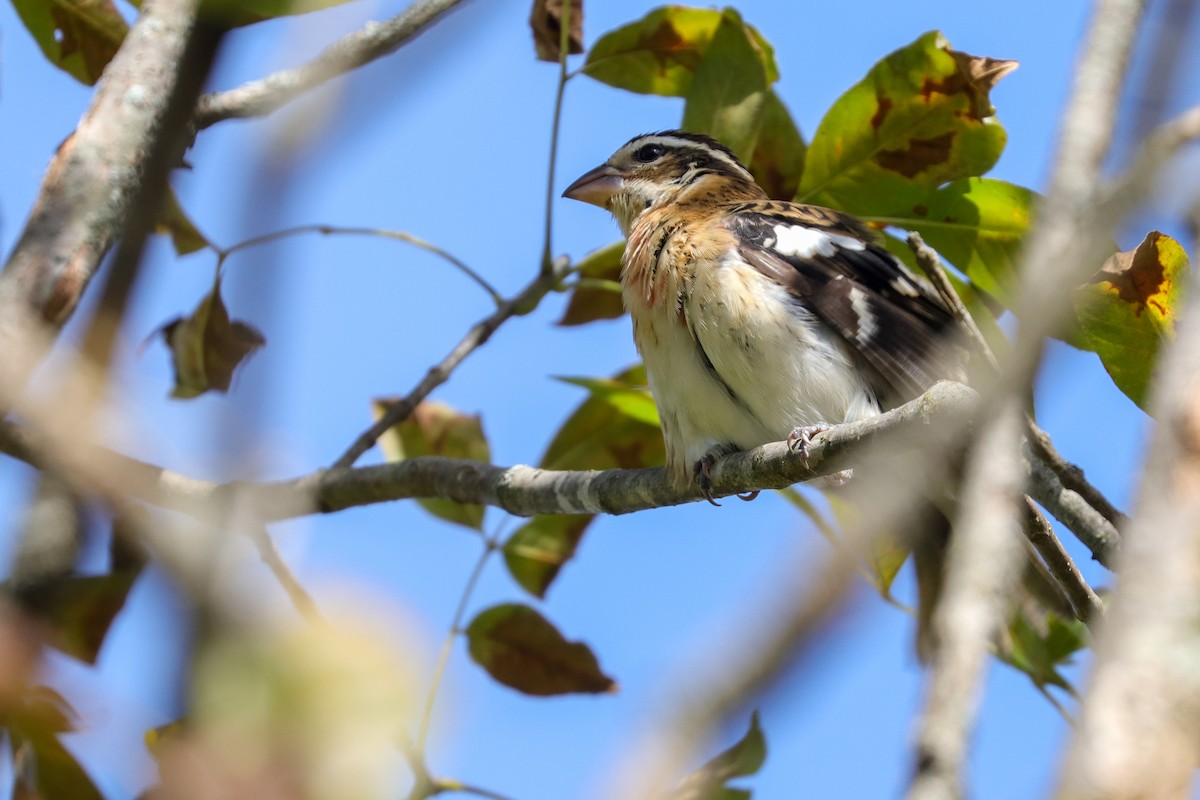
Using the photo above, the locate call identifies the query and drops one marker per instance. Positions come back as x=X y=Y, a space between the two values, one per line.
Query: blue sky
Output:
x=448 y=140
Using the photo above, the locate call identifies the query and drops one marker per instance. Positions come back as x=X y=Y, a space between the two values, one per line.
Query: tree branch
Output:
x=374 y=41
x=85 y=196
x=1139 y=732
x=983 y=560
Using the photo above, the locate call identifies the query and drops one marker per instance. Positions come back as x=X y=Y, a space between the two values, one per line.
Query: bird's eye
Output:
x=649 y=152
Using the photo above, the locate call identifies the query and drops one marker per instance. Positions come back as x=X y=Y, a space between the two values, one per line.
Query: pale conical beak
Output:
x=596 y=186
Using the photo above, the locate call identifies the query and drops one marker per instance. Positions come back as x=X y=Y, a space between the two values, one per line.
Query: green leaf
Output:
x=207 y=347
x=174 y=222
x=728 y=91
x=1128 y=309
x=79 y=610
x=79 y=37
x=1039 y=648
x=920 y=118
x=977 y=224
x=522 y=650
x=610 y=430
x=42 y=767
x=600 y=295
x=746 y=757
x=660 y=53
x=632 y=401
x=436 y=429
x=778 y=160
x=539 y=549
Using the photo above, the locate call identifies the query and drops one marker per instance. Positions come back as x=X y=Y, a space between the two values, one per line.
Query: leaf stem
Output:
x=439 y=671
x=563 y=77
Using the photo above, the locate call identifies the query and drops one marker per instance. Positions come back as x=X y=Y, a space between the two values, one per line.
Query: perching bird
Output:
x=761 y=320
x=758 y=320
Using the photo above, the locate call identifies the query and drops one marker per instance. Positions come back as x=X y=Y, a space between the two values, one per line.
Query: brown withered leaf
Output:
x=546 y=22
x=208 y=346
x=979 y=75
x=522 y=650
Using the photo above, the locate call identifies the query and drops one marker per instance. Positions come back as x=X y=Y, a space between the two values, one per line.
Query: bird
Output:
x=763 y=320
x=758 y=320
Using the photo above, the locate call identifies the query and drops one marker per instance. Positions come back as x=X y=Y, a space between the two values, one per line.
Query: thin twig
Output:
x=563 y=52
x=452 y=633
x=522 y=303
x=931 y=264
x=1085 y=603
x=328 y=230
x=300 y=597
x=373 y=41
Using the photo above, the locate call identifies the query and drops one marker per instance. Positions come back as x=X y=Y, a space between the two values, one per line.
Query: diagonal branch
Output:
x=374 y=41
x=85 y=196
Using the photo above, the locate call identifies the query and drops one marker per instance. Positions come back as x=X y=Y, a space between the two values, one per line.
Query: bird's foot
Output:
x=799 y=441
x=839 y=478
x=702 y=472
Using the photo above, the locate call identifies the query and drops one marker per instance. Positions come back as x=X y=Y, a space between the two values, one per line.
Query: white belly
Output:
x=776 y=367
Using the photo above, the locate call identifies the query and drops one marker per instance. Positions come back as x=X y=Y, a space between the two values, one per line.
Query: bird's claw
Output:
x=799 y=441
x=702 y=470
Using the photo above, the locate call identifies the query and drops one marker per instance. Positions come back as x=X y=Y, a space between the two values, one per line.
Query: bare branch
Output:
x=374 y=41
x=1139 y=732
x=983 y=561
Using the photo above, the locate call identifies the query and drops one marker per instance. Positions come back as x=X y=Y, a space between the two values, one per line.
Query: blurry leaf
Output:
x=436 y=429
x=540 y=547
x=79 y=610
x=728 y=91
x=1040 y=648
x=920 y=118
x=1128 y=309
x=546 y=22
x=778 y=159
x=659 y=54
x=594 y=301
x=746 y=757
x=77 y=36
x=602 y=434
x=207 y=347
x=522 y=650
x=42 y=767
x=175 y=223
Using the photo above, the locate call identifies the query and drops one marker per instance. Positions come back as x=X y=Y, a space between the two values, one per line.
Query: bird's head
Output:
x=658 y=168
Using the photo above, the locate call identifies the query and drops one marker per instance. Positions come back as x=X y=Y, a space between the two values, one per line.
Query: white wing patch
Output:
x=868 y=326
x=800 y=241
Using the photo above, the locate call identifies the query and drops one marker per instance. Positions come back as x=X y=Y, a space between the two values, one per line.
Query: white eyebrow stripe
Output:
x=679 y=141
